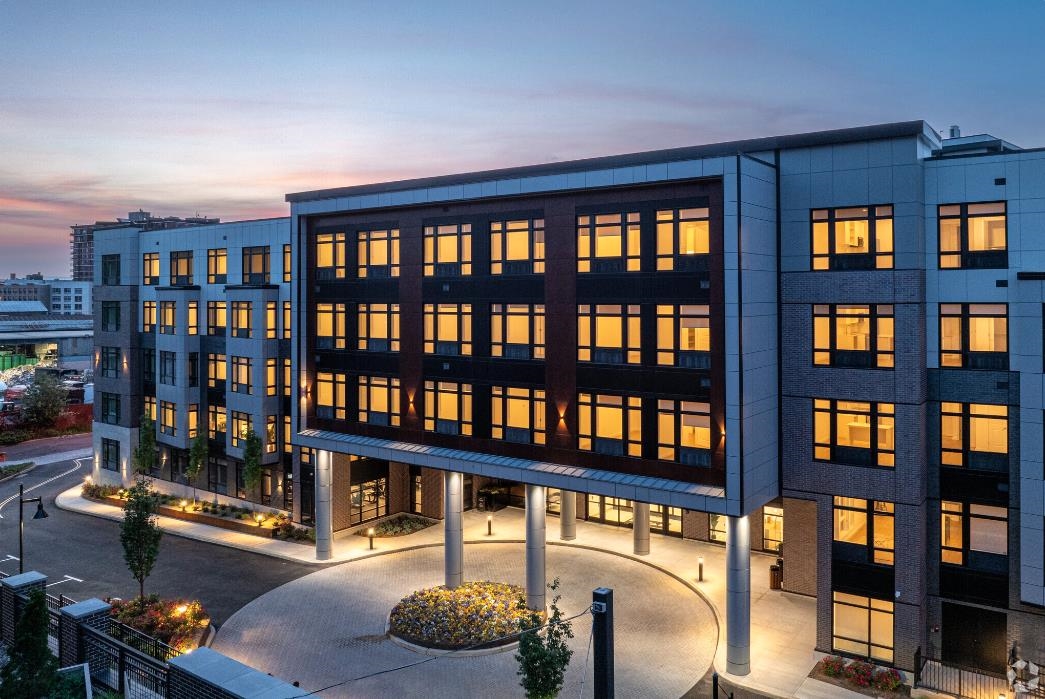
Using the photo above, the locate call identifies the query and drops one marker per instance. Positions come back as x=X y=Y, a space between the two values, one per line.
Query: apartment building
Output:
x=191 y=329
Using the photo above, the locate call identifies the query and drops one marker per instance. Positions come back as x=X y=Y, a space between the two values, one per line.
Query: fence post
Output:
x=917 y=666
x=602 y=611
x=91 y=612
x=122 y=670
x=11 y=589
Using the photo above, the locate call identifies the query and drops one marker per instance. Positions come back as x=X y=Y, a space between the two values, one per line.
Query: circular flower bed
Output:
x=476 y=614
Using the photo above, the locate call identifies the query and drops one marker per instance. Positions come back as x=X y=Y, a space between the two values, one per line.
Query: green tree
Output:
x=197 y=457
x=44 y=401
x=31 y=670
x=145 y=452
x=543 y=659
x=251 y=462
x=139 y=532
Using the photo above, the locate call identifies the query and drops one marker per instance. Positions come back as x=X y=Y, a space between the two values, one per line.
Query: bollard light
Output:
x=700 y=569
x=489 y=525
x=183 y=504
x=259 y=519
x=370 y=533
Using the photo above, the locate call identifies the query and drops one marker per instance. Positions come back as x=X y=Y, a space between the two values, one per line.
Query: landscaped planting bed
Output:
x=400 y=525
x=860 y=676
x=178 y=623
x=474 y=615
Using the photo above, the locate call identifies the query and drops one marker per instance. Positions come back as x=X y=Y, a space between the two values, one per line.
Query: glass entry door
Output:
x=620 y=512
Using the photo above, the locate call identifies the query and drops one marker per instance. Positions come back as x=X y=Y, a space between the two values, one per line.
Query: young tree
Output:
x=44 y=401
x=139 y=532
x=251 y=462
x=145 y=453
x=31 y=670
x=197 y=457
x=543 y=659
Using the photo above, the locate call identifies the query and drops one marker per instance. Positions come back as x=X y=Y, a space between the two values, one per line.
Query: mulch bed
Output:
x=817 y=673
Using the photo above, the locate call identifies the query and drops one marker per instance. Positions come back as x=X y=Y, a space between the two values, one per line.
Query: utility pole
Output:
x=602 y=628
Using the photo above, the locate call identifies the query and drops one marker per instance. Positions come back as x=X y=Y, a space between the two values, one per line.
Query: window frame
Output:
x=217 y=310
x=150 y=269
x=110 y=408
x=217 y=371
x=181 y=272
x=874 y=513
x=629 y=225
x=672 y=413
x=109 y=362
x=965 y=257
x=257 y=265
x=168 y=317
x=502 y=398
x=964 y=456
x=217 y=265
x=110 y=317
x=630 y=348
x=366 y=241
x=670 y=319
x=462 y=264
x=168 y=368
x=500 y=316
x=368 y=316
x=500 y=262
x=434 y=316
x=110 y=455
x=875 y=356
x=149 y=316
x=828 y=451
x=337 y=255
x=241 y=319
x=460 y=424
x=668 y=239
x=968 y=358
x=884 y=607
x=964 y=554
x=831 y=259
x=368 y=385
x=110 y=270
x=592 y=405
x=168 y=418
x=336 y=384
x=241 y=375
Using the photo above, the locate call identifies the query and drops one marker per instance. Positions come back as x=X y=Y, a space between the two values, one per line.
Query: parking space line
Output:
x=68 y=578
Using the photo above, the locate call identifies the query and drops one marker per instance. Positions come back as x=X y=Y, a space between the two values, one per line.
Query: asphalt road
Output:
x=82 y=556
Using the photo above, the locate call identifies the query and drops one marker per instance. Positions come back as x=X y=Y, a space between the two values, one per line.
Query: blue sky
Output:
x=223 y=107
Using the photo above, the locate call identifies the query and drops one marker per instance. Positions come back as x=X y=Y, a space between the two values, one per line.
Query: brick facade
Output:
x=800 y=550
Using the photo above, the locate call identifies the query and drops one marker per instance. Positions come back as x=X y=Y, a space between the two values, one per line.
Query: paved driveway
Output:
x=329 y=626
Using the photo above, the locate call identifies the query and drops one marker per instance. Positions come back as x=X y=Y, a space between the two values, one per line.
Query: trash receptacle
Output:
x=776 y=577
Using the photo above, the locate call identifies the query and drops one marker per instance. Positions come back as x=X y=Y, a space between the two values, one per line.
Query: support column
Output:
x=640 y=528
x=738 y=596
x=567 y=515
x=324 y=513
x=536 y=580
x=453 y=529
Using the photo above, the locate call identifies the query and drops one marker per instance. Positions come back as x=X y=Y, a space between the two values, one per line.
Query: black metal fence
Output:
x=963 y=681
x=54 y=620
x=122 y=668
x=141 y=642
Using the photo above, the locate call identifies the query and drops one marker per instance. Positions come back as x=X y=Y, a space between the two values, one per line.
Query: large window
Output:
x=853 y=336
x=378 y=327
x=217 y=318
x=110 y=316
x=148 y=364
x=974 y=535
x=331 y=395
x=854 y=432
x=271 y=321
x=271 y=377
x=110 y=270
x=241 y=373
x=378 y=253
x=610 y=424
x=973 y=236
x=772 y=528
x=110 y=454
x=609 y=334
x=256 y=265
x=717 y=528
x=682 y=236
x=330 y=256
x=181 y=267
x=217 y=266
x=866 y=526
x=149 y=407
x=448 y=328
x=242 y=320
x=448 y=407
x=974 y=435
x=111 y=408
x=192 y=369
x=684 y=336
x=974 y=335
x=168 y=418
x=168 y=317
x=517 y=414
x=448 y=250
x=286 y=264
x=168 y=368
x=379 y=400
x=193 y=415
x=241 y=427
x=193 y=318
x=216 y=422
x=287 y=322
x=216 y=371
x=330 y=326
x=609 y=243
x=109 y=362
x=853 y=238
x=684 y=432
x=150 y=268
x=863 y=626
x=148 y=316
x=517 y=247
x=517 y=330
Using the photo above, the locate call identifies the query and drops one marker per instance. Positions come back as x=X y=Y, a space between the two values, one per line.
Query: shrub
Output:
x=176 y=622
x=472 y=614
x=91 y=490
x=398 y=526
x=859 y=673
x=886 y=679
x=834 y=665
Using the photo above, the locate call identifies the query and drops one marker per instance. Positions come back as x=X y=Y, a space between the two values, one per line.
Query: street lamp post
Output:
x=40 y=514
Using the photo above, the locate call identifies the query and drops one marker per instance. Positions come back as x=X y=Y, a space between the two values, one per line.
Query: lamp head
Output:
x=40 y=513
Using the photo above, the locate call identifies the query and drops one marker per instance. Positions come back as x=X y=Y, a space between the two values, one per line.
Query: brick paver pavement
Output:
x=330 y=626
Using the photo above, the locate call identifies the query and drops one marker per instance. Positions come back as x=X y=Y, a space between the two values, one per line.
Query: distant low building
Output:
x=57 y=295
x=30 y=334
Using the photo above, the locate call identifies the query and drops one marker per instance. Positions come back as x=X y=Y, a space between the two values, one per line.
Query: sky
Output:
x=221 y=108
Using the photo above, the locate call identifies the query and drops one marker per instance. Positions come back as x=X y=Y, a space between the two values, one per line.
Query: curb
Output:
x=20 y=473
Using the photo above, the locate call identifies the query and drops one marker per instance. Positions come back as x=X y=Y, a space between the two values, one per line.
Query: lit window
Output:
x=240 y=428
x=974 y=335
x=973 y=236
x=216 y=422
x=242 y=324
x=448 y=250
x=608 y=243
x=149 y=407
x=216 y=371
x=378 y=327
x=772 y=528
x=517 y=247
x=448 y=328
x=286 y=378
x=717 y=528
x=863 y=626
x=517 y=414
x=867 y=524
x=853 y=238
x=448 y=407
x=682 y=234
x=271 y=377
x=610 y=424
x=684 y=432
x=168 y=317
x=974 y=535
x=378 y=253
x=853 y=432
x=148 y=316
x=271 y=442
x=974 y=435
x=608 y=334
x=330 y=326
x=241 y=369
x=194 y=317
x=684 y=336
x=288 y=448
x=168 y=418
x=286 y=264
x=331 y=395
x=330 y=256
x=853 y=336
x=181 y=268
x=287 y=327
x=217 y=266
x=379 y=400
x=217 y=318
x=256 y=265
x=271 y=324
x=194 y=420
x=517 y=331
x=151 y=268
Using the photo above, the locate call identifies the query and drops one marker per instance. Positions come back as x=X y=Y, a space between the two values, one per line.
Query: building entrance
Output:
x=619 y=512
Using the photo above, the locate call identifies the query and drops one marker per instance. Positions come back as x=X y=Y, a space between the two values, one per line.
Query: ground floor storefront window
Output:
x=772 y=528
x=620 y=512
x=863 y=626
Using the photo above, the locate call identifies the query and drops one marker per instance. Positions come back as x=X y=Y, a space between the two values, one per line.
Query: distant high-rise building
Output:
x=81 y=239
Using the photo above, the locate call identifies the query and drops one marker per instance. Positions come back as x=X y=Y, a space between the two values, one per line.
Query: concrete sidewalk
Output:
x=783 y=625
x=52 y=458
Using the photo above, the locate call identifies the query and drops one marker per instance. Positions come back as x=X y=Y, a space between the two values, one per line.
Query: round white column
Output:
x=738 y=596
x=536 y=580
x=567 y=515
x=324 y=515
x=640 y=528
x=453 y=529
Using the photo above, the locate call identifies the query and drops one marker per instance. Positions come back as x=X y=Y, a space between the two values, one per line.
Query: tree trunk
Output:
x=141 y=589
